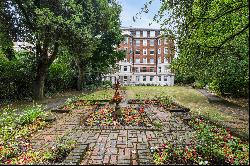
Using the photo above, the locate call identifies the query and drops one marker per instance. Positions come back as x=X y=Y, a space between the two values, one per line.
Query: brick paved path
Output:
x=115 y=145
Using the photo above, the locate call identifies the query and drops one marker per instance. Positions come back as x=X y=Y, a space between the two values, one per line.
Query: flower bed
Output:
x=130 y=117
x=15 y=132
x=214 y=146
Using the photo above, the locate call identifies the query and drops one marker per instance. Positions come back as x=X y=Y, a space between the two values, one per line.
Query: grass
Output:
x=190 y=98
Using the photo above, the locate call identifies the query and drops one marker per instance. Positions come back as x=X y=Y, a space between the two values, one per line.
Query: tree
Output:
x=212 y=37
x=43 y=24
x=93 y=48
x=6 y=43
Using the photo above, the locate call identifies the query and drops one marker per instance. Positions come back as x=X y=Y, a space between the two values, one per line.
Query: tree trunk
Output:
x=39 y=81
x=80 y=78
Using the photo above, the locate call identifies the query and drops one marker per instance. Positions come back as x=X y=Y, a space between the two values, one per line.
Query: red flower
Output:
x=231 y=160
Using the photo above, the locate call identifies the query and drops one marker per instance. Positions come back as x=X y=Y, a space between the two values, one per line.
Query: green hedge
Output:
x=15 y=80
x=60 y=77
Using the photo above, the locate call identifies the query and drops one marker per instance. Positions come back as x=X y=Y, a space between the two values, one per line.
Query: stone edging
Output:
x=76 y=155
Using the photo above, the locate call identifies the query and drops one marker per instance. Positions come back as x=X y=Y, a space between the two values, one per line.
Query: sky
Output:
x=131 y=7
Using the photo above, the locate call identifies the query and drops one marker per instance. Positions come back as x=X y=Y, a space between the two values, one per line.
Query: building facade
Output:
x=148 y=55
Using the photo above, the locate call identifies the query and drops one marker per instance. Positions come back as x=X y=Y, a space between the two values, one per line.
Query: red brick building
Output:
x=148 y=55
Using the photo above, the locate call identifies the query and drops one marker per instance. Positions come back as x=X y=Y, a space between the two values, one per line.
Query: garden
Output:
x=124 y=108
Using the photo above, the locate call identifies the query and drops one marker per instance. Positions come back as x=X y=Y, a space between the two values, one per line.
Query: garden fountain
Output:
x=117 y=98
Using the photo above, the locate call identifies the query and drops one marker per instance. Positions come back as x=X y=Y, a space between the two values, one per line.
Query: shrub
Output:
x=60 y=77
x=16 y=79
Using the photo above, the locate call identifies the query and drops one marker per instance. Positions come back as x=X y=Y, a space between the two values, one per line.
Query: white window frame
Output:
x=145 y=33
x=152 y=33
x=136 y=51
x=145 y=52
x=159 y=60
x=159 y=78
x=144 y=60
x=165 y=60
x=137 y=34
x=151 y=43
x=136 y=42
x=125 y=79
x=165 y=78
x=165 y=50
x=151 y=61
x=130 y=51
x=159 y=69
x=126 y=40
x=159 y=51
x=145 y=42
x=125 y=67
x=137 y=78
x=151 y=77
x=152 y=50
x=136 y=60
x=159 y=42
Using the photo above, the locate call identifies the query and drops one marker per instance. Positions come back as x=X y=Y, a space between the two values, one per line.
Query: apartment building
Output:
x=148 y=55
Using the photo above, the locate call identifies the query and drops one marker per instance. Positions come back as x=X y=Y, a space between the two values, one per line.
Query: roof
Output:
x=142 y=29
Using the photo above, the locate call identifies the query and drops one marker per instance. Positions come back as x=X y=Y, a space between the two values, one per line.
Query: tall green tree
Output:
x=212 y=36
x=94 y=48
x=6 y=32
x=43 y=24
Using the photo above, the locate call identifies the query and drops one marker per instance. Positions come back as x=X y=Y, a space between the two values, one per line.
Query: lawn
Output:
x=192 y=99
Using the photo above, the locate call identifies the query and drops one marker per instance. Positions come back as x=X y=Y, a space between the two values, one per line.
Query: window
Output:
x=137 y=42
x=137 y=78
x=130 y=51
x=159 y=69
x=151 y=78
x=131 y=60
x=126 y=49
x=152 y=52
x=165 y=78
x=165 y=60
x=144 y=51
x=165 y=50
x=144 y=42
x=144 y=69
x=151 y=69
x=126 y=40
x=137 y=51
x=138 y=34
x=125 y=78
x=144 y=78
x=159 y=60
x=159 y=42
x=125 y=68
x=144 y=33
x=159 y=78
x=151 y=60
x=152 y=42
x=152 y=33
x=137 y=60
x=137 y=70
x=159 y=51
x=144 y=60
x=131 y=42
